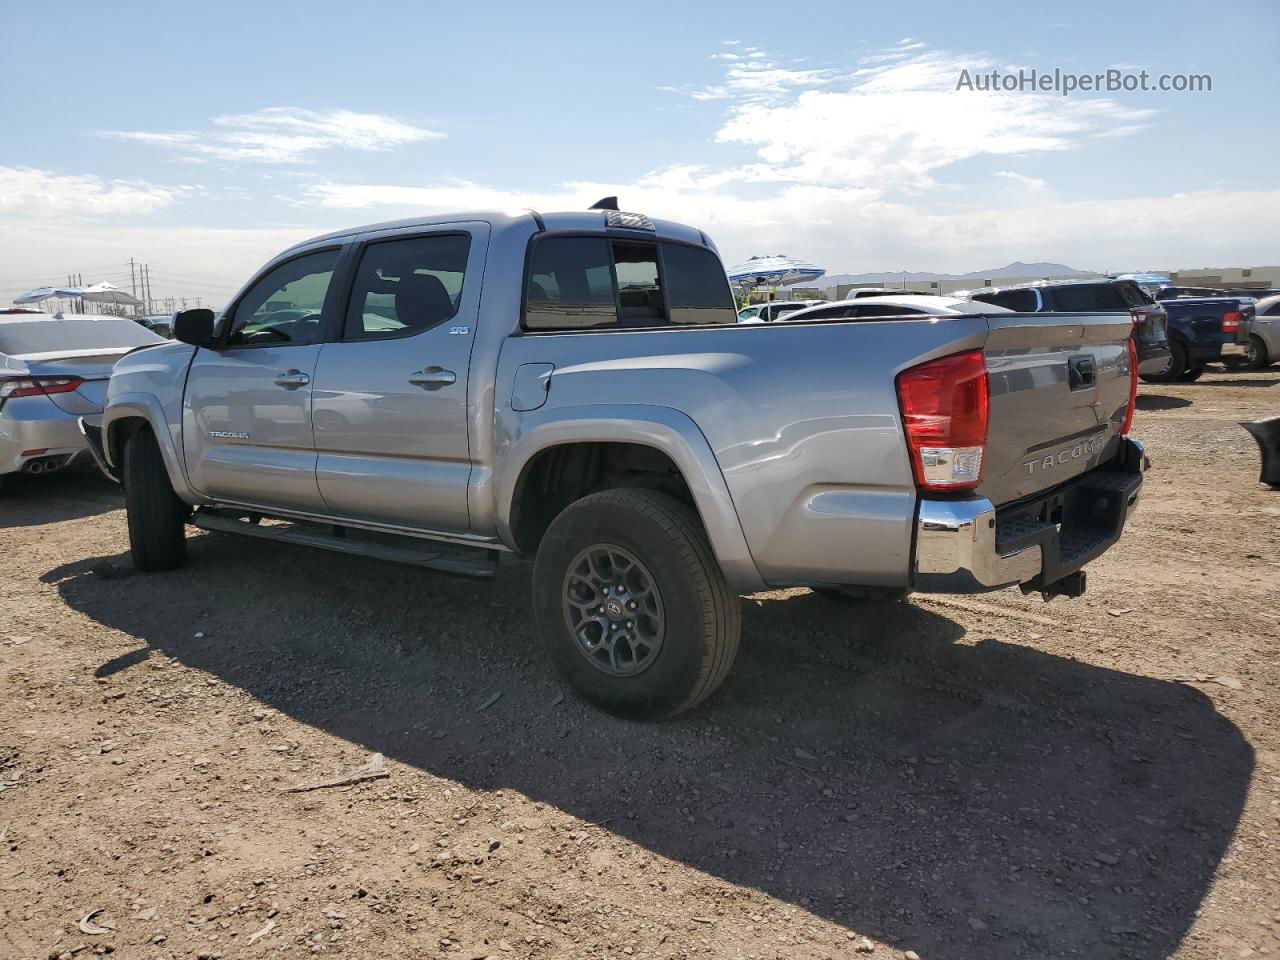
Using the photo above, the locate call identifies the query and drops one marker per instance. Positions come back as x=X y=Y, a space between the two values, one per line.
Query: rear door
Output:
x=246 y=429
x=1059 y=389
x=390 y=393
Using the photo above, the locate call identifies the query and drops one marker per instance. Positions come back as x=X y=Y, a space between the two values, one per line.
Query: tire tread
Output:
x=156 y=516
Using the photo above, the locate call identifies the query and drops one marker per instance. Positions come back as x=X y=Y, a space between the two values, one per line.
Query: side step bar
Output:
x=444 y=557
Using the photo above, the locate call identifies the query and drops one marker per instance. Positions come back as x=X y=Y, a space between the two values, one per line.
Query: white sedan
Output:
x=903 y=305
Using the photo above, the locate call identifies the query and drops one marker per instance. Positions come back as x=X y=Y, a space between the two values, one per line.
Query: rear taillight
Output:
x=1231 y=321
x=944 y=411
x=1133 y=387
x=32 y=386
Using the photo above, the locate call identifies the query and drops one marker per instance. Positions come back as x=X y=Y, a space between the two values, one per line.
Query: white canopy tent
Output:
x=94 y=293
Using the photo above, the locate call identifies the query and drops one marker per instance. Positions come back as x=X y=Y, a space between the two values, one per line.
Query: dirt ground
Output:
x=961 y=778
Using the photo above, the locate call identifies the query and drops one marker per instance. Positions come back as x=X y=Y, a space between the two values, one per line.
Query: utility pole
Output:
x=146 y=284
x=133 y=284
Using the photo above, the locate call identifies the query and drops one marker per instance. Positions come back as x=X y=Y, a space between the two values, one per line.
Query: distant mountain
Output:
x=1015 y=269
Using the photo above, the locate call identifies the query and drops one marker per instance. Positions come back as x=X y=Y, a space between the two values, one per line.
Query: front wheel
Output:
x=632 y=606
x=157 y=518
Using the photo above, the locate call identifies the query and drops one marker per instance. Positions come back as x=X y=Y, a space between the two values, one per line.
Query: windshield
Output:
x=79 y=333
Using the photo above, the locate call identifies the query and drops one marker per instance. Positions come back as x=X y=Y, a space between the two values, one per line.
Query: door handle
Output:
x=292 y=379
x=432 y=378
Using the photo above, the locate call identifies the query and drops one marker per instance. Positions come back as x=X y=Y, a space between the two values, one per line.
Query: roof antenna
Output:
x=605 y=203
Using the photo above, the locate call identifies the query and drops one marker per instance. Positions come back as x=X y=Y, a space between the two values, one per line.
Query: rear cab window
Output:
x=1023 y=301
x=597 y=282
x=1089 y=298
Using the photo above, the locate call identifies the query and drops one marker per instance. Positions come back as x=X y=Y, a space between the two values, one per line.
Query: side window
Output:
x=1089 y=298
x=403 y=287
x=1273 y=310
x=1023 y=301
x=837 y=312
x=782 y=309
x=570 y=285
x=870 y=311
x=284 y=307
x=697 y=288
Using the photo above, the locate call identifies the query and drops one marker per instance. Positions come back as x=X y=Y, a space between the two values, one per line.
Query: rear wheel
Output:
x=1258 y=358
x=157 y=517
x=632 y=606
x=1191 y=374
x=1174 y=369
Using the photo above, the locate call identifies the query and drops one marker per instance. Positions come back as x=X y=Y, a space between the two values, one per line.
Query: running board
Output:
x=432 y=554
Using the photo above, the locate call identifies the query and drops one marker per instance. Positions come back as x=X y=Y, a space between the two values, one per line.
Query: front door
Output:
x=247 y=410
x=390 y=395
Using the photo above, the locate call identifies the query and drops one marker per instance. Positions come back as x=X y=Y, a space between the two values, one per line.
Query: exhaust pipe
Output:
x=1267 y=433
x=34 y=466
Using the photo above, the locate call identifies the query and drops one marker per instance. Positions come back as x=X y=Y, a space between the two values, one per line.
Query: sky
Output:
x=203 y=139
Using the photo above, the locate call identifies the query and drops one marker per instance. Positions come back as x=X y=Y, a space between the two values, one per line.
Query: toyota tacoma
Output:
x=573 y=388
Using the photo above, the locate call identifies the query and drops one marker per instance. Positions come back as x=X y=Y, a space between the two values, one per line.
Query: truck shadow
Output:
x=960 y=795
x=1160 y=401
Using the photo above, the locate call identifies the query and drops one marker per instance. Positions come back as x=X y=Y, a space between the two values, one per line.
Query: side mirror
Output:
x=194 y=327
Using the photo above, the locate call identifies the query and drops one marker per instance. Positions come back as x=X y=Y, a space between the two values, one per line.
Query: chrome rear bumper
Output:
x=971 y=546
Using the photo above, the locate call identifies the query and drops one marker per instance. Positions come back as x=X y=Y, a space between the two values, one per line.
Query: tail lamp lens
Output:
x=945 y=405
x=1133 y=387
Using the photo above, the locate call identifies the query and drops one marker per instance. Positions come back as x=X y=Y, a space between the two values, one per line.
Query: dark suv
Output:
x=1150 y=323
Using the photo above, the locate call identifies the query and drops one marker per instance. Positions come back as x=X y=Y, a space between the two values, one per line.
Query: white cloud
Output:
x=855 y=228
x=1031 y=183
x=894 y=124
x=844 y=162
x=26 y=190
x=283 y=135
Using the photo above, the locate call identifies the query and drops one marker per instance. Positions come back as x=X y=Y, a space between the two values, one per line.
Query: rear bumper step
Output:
x=443 y=557
x=970 y=546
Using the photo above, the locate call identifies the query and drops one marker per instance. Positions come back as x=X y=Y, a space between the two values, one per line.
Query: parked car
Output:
x=573 y=387
x=858 y=293
x=160 y=324
x=1264 y=337
x=1203 y=330
x=883 y=307
x=53 y=371
x=775 y=309
x=1150 y=331
x=1177 y=293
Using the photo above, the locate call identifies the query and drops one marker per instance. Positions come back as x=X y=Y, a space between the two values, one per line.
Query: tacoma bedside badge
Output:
x=228 y=435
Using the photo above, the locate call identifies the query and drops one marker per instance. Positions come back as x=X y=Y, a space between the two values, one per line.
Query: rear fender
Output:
x=666 y=430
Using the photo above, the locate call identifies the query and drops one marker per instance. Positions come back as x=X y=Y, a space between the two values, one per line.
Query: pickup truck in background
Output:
x=574 y=388
x=1095 y=296
x=1203 y=330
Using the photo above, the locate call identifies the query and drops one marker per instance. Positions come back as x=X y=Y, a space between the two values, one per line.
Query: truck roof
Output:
x=498 y=220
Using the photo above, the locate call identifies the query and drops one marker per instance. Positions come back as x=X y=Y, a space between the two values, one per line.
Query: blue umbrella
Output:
x=775 y=271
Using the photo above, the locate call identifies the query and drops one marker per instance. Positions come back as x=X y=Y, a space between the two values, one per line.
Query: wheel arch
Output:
x=128 y=414
x=568 y=454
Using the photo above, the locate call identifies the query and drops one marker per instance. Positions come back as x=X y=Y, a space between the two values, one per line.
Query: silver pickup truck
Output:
x=573 y=387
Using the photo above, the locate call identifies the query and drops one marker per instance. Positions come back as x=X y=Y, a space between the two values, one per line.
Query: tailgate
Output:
x=1059 y=388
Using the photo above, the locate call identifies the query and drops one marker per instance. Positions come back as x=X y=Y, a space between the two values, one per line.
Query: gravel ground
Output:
x=958 y=778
